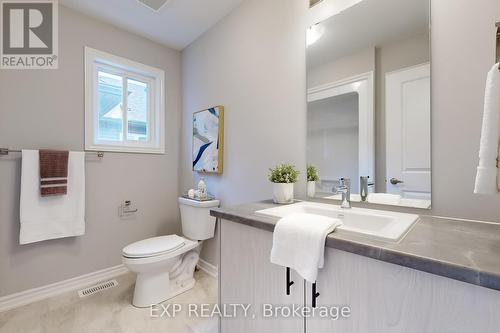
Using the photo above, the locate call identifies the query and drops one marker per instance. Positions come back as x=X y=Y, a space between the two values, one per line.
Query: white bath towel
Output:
x=488 y=175
x=54 y=216
x=299 y=243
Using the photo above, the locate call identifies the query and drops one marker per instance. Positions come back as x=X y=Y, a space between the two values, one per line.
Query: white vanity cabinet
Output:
x=248 y=277
x=383 y=297
x=387 y=298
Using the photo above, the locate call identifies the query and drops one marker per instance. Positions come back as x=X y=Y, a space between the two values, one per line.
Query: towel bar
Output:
x=7 y=151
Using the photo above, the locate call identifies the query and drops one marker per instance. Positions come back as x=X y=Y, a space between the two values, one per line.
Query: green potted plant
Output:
x=312 y=178
x=283 y=176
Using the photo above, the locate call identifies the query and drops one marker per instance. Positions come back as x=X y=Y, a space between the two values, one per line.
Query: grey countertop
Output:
x=467 y=251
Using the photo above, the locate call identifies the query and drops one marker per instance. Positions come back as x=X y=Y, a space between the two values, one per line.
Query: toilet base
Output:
x=163 y=290
x=151 y=288
x=181 y=287
x=158 y=286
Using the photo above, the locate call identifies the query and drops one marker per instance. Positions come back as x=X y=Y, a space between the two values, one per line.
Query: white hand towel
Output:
x=299 y=243
x=55 y=216
x=488 y=176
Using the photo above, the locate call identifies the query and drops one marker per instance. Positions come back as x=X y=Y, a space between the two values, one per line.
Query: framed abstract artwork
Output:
x=208 y=139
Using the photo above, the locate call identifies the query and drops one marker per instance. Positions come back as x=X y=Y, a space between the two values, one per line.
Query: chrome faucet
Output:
x=345 y=189
x=364 y=184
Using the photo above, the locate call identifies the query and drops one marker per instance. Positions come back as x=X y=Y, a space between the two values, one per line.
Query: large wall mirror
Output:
x=368 y=94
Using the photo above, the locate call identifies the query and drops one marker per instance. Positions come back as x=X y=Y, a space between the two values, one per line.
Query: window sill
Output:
x=125 y=150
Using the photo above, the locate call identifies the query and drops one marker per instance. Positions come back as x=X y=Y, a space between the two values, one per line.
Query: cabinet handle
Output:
x=288 y=282
x=314 y=295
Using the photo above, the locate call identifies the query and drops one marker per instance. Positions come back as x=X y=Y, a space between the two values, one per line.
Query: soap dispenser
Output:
x=202 y=189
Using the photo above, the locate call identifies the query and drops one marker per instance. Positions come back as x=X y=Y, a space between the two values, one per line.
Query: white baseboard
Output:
x=37 y=294
x=208 y=268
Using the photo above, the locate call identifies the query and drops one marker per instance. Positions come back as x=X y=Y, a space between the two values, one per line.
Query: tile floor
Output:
x=111 y=312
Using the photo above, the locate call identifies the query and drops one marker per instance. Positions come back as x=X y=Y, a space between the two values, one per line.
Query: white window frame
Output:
x=154 y=77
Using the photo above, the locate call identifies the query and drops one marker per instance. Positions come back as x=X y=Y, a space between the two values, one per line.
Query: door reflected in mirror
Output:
x=368 y=93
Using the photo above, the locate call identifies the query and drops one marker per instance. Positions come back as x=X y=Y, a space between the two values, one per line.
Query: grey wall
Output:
x=463 y=51
x=44 y=109
x=253 y=63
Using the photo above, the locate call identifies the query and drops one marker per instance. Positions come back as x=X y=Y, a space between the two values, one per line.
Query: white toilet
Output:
x=165 y=265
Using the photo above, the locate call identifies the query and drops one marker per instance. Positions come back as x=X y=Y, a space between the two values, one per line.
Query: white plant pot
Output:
x=282 y=193
x=311 y=189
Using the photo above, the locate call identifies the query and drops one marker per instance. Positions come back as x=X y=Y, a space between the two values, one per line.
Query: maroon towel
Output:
x=53 y=172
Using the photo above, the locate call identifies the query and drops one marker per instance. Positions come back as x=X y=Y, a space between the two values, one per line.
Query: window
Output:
x=124 y=105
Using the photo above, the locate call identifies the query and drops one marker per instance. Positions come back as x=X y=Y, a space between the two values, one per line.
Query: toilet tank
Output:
x=197 y=224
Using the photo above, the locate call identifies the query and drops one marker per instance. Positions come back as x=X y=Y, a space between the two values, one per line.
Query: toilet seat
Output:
x=153 y=247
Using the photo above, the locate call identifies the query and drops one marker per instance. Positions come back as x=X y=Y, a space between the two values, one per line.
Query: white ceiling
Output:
x=177 y=24
x=369 y=23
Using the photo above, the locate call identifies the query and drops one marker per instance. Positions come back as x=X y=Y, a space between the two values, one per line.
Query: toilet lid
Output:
x=153 y=246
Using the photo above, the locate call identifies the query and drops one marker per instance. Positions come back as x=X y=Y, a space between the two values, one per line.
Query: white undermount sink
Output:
x=376 y=224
